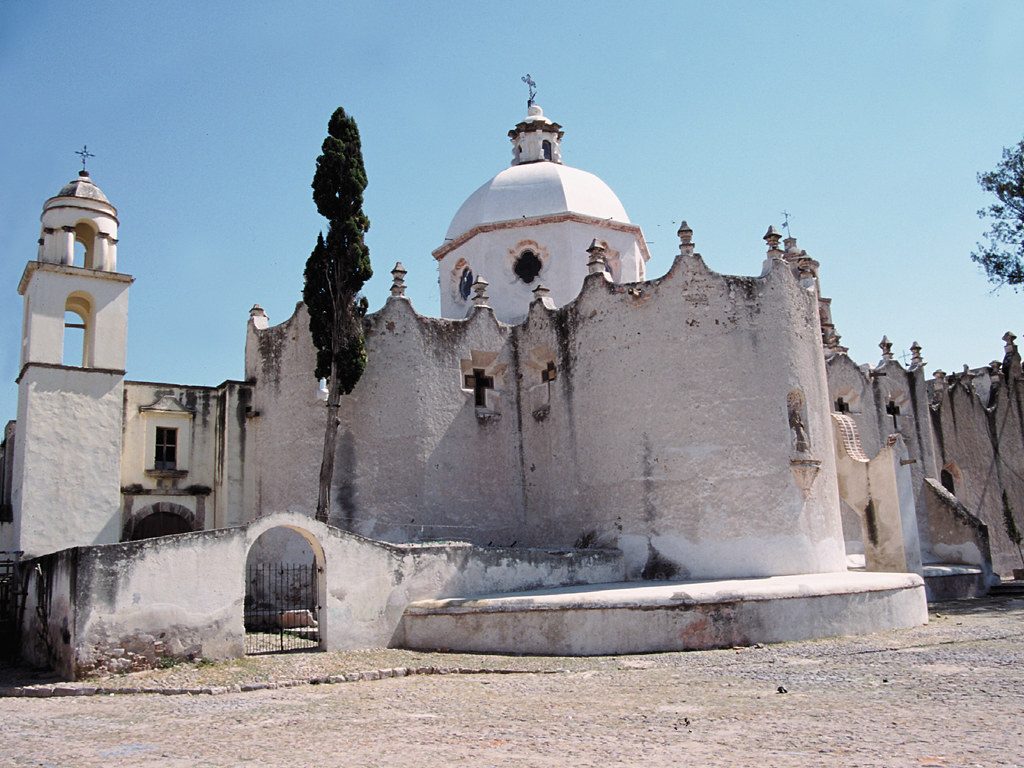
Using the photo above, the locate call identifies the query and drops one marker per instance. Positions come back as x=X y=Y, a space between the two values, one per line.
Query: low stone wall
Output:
x=671 y=616
x=126 y=606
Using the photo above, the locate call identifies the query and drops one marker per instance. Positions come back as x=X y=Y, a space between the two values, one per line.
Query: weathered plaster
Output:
x=182 y=596
x=630 y=618
x=879 y=490
x=548 y=464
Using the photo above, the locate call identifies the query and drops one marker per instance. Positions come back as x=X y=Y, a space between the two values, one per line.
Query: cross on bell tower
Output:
x=85 y=154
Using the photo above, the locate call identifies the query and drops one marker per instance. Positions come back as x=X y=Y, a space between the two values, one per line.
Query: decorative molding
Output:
x=167 y=405
x=804 y=472
x=551 y=218
x=58 y=366
x=64 y=269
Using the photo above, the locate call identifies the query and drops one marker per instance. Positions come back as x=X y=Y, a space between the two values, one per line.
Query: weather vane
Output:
x=533 y=89
x=85 y=154
x=785 y=223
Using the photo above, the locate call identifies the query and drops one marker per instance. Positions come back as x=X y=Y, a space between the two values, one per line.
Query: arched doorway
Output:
x=284 y=591
x=160 y=519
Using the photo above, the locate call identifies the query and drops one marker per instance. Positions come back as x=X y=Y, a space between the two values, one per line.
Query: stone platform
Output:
x=954 y=581
x=639 y=617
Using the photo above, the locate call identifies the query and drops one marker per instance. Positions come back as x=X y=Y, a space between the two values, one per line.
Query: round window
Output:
x=527 y=266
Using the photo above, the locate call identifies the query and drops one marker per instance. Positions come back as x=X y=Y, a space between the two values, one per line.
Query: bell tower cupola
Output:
x=79 y=227
x=536 y=139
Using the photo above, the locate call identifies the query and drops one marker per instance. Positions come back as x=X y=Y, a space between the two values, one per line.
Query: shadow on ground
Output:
x=977 y=606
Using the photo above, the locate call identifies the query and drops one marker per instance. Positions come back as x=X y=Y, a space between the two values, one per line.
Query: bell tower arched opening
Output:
x=78 y=329
x=85 y=245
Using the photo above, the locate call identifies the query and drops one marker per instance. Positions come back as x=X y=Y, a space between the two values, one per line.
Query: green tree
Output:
x=1002 y=256
x=334 y=275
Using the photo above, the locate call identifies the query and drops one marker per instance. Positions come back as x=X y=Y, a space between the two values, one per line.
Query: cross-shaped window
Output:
x=893 y=410
x=842 y=406
x=549 y=374
x=479 y=383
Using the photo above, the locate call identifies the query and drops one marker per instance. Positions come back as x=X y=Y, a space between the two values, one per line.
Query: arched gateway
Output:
x=284 y=592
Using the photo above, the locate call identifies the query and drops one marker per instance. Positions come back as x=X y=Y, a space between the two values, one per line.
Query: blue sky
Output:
x=867 y=121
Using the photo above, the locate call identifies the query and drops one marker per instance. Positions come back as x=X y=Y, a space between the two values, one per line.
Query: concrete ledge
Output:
x=944 y=581
x=640 y=617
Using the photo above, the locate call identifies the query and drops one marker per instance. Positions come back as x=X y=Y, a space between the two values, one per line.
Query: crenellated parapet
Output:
x=977 y=419
x=618 y=418
x=985 y=382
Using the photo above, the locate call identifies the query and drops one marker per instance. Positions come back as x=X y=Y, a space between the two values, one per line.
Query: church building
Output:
x=575 y=458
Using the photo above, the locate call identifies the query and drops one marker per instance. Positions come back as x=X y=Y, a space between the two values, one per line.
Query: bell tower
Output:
x=67 y=451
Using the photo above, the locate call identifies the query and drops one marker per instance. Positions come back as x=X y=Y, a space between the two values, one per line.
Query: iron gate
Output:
x=281 y=610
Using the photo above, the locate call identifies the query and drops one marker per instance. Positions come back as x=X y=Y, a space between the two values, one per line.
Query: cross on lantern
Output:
x=549 y=374
x=893 y=410
x=531 y=88
x=85 y=154
x=479 y=383
x=785 y=223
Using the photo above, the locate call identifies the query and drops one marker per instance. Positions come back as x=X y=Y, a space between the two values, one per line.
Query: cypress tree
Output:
x=334 y=275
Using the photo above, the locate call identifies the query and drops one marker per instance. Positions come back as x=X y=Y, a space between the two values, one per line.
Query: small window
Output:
x=166 y=454
x=527 y=266
x=546 y=146
x=466 y=283
x=946 y=478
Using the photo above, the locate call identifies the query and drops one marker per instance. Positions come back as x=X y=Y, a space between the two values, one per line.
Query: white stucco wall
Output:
x=286 y=431
x=182 y=596
x=870 y=389
x=666 y=432
x=67 y=459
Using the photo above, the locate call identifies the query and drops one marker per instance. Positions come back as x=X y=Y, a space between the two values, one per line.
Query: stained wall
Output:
x=667 y=429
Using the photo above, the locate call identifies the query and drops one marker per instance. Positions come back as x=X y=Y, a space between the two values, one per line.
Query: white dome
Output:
x=537 y=189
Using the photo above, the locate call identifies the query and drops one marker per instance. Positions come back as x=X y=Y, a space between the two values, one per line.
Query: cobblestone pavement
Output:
x=949 y=694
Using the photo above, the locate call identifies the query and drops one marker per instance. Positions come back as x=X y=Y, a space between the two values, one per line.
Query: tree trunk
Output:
x=323 y=501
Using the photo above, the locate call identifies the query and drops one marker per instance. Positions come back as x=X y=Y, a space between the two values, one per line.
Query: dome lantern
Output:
x=536 y=139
